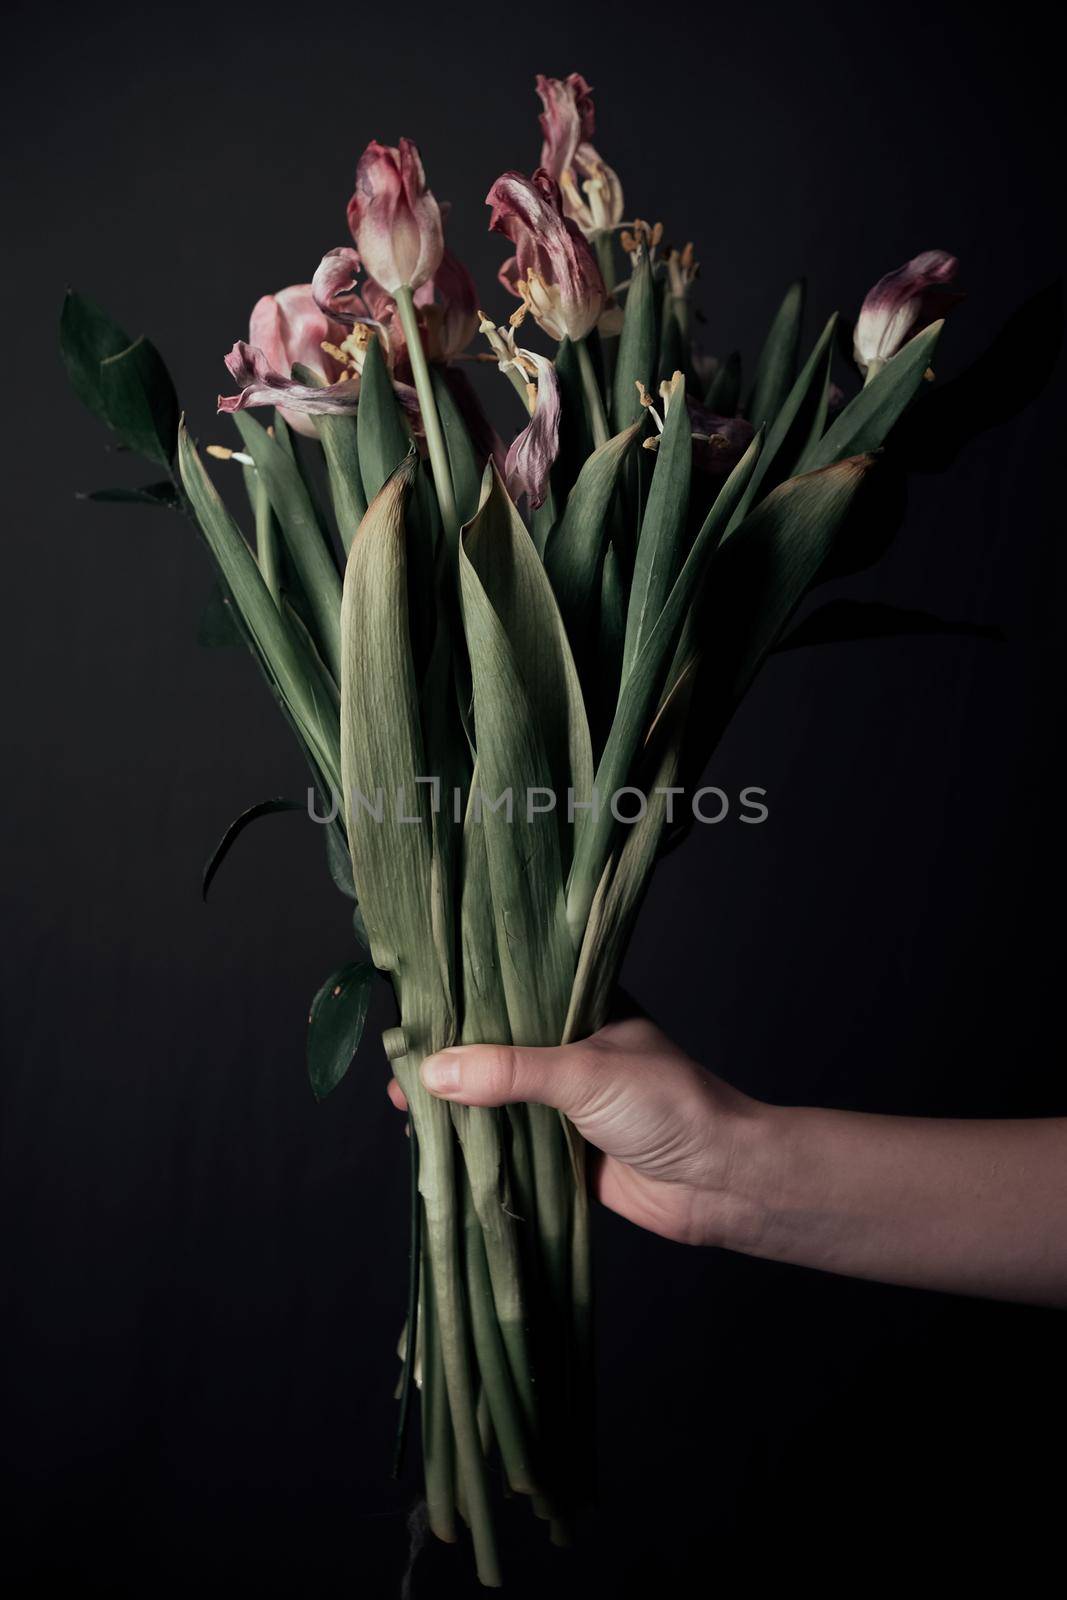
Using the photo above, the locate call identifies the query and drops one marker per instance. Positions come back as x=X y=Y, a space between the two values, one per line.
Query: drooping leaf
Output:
x=304 y=538
x=140 y=400
x=151 y=494
x=864 y=424
x=292 y=674
x=263 y=808
x=87 y=336
x=777 y=364
x=850 y=621
x=335 y=1025
x=637 y=346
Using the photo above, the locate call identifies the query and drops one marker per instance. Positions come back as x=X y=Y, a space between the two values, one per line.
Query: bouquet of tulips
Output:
x=503 y=661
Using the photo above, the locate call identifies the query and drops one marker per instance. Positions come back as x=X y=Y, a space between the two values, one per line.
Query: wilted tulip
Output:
x=394 y=218
x=532 y=453
x=900 y=305
x=592 y=193
x=553 y=270
x=289 y=328
x=261 y=384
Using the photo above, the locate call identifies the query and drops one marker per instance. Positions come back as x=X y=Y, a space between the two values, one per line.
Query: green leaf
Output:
x=335 y=1025
x=641 y=687
x=575 y=551
x=777 y=364
x=612 y=630
x=217 y=627
x=724 y=391
x=382 y=756
x=152 y=494
x=339 y=439
x=87 y=336
x=485 y=1015
x=293 y=675
x=264 y=808
x=659 y=546
x=637 y=346
x=466 y=473
x=304 y=538
x=601 y=674
x=759 y=576
x=523 y=850
x=142 y=406
x=512 y=578
x=865 y=422
x=384 y=437
x=337 y=435
x=800 y=421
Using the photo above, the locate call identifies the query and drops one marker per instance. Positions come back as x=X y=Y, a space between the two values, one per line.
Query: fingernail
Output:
x=441 y=1073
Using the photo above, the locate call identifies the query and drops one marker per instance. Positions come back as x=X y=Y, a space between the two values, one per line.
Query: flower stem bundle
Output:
x=483 y=646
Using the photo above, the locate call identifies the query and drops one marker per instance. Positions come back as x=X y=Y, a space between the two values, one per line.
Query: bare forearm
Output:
x=970 y=1207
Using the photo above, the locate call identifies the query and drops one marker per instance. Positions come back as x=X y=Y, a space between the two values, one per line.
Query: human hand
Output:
x=664 y=1132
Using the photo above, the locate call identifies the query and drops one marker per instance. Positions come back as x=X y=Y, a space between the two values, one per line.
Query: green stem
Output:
x=413 y=1304
x=437 y=1445
x=591 y=390
x=431 y=421
x=493 y=1366
x=605 y=255
x=873 y=369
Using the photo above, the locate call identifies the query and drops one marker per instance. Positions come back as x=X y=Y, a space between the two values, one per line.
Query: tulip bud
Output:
x=288 y=328
x=394 y=218
x=592 y=193
x=553 y=270
x=900 y=305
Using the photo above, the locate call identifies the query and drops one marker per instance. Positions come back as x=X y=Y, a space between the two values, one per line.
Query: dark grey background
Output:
x=203 y=1269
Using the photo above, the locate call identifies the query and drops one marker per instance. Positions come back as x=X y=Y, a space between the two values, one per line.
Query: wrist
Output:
x=744 y=1173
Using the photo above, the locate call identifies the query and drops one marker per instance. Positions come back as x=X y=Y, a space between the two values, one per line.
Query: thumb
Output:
x=499 y=1074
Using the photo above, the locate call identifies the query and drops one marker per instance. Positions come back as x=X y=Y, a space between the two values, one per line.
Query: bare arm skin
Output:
x=972 y=1207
